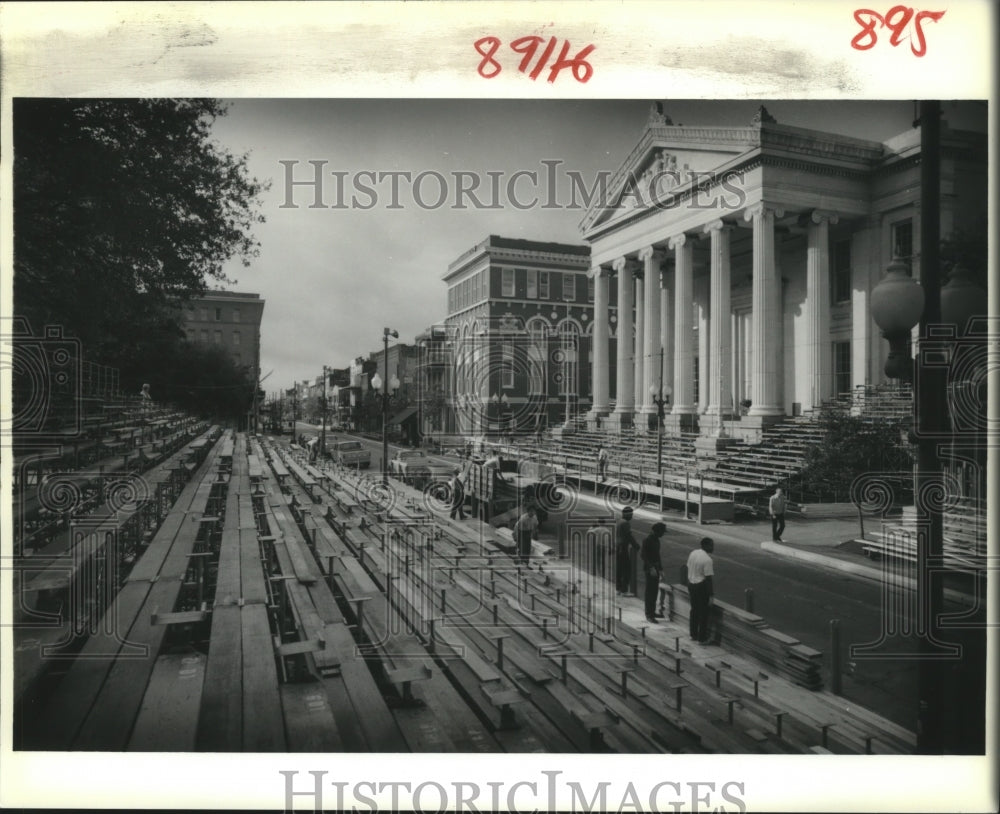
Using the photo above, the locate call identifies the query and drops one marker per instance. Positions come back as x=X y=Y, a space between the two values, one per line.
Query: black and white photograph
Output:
x=523 y=446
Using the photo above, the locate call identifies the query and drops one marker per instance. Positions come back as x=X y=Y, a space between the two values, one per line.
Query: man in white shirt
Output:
x=776 y=508
x=602 y=464
x=700 y=589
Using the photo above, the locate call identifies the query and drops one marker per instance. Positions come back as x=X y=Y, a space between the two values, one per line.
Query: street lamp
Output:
x=392 y=385
x=897 y=304
x=661 y=398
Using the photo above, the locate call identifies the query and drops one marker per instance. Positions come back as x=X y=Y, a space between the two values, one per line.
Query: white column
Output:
x=683 y=355
x=640 y=328
x=600 y=355
x=818 y=366
x=626 y=394
x=704 y=368
x=651 y=260
x=721 y=320
x=667 y=330
x=767 y=325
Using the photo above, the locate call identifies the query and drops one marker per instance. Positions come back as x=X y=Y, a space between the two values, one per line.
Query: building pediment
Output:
x=667 y=160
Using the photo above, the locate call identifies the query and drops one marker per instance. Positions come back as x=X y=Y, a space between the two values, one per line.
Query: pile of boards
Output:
x=749 y=633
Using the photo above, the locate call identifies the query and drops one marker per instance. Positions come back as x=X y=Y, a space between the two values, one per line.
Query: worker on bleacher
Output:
x=457 y=490
x=525 y=528
x=625 y=546
x=700 y=588
x=602 y=463
x=652 y=569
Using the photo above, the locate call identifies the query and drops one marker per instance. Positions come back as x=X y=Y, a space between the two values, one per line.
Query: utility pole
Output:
x=322 y=440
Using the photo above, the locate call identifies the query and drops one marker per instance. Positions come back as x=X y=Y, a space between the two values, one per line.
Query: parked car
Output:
x=352 y=454
x=414 y=467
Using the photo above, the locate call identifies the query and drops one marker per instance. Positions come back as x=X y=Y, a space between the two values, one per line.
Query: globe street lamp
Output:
x=897 y=304
x=661 y=398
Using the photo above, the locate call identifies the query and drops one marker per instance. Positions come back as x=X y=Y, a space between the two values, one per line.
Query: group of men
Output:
x=699 y=568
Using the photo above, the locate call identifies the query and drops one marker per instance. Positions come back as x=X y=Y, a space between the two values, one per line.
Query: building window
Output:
x=204 y=335
x=902 y=242
x=569 y=344
x=590 y=289
x=192 y=334
x=543 y=285
x=532 y=288
x=204 y=314
x=569 y=287
x=537 y=351
x=484 y=285
x=507 y=377
x=236 y=338
x=841 y=368
x=841 y=277
x=507 y=289
x=218 y=315
x=218 y=337
x=236 y=315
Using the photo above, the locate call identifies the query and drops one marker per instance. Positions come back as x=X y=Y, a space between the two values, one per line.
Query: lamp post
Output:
x=393 y=384
x=897 y=304
x=661 y=398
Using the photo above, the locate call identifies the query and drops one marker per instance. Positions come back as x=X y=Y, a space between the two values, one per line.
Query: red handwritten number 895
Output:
x=896 y=20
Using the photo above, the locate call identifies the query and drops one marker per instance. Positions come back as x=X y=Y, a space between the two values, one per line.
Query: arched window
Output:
x=538 y=338
x=569 y=356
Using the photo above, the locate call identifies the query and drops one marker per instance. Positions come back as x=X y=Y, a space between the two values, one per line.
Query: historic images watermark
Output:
x=313 y=184
x=548 y=792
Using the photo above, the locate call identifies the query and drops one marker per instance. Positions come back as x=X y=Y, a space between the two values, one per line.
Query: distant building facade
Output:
x=230 y=320
x=519 y=333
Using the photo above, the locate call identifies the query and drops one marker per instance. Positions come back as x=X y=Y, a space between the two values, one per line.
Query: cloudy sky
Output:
x=333 y=275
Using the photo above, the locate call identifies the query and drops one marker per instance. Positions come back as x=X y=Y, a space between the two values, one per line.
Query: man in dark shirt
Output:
x=652 y=568
x=625 y=544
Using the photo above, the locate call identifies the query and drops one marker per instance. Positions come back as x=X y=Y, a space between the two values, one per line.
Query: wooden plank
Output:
x=57 y=724
x=251 y=569
x=220 y=727
x=168 y=717
x=309 y=719
x=263 y=727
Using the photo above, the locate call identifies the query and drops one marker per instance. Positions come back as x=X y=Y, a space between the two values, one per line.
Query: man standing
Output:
x=652 y=568
x=625 y=544
x=457 y=496
x=700 y=590
x=776 y=508
x=525 y=528
x=602 y=463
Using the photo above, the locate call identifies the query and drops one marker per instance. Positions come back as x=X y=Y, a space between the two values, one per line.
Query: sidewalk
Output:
x=827 y=543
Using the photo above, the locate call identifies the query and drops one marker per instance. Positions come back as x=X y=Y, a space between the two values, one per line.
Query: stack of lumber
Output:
x=749 y=633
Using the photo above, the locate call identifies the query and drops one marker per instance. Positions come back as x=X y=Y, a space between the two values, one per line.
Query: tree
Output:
x=851 y=447
x=122 y=208
x=204 y=380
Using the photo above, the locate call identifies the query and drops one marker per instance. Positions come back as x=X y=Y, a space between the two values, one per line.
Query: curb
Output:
x=864 y=571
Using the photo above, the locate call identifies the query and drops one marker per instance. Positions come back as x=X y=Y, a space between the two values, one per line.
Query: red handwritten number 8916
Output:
x=487 y=48
x=896 y=20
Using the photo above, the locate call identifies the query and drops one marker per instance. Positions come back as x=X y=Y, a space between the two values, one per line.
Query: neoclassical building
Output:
x=748 y=256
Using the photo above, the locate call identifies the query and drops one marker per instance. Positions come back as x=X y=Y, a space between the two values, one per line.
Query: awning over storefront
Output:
x=403 y=415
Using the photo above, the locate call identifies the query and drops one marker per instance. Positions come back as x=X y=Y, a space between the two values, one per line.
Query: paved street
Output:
x=795 y=597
